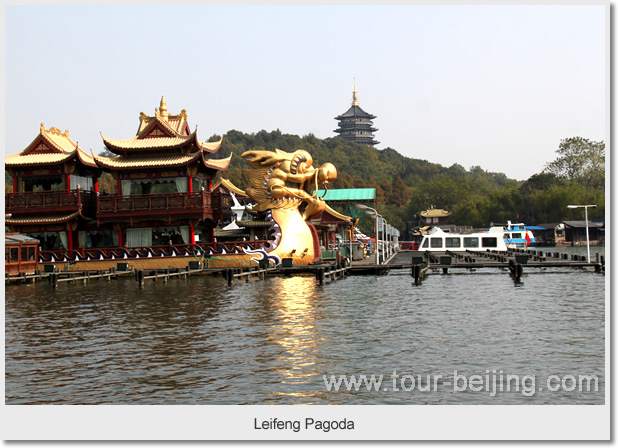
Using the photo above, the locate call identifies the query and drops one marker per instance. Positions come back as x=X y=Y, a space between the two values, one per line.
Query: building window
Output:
x=51 y=240
x=85 y=183
x=41 y=183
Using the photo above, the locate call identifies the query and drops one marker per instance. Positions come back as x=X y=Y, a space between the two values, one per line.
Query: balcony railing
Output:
x=49 y=201
x=132 y=253
x=203 y=203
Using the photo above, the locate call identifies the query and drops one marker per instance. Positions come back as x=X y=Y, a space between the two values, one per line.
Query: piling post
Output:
x=416 y=272
x=320 y=275
x=140 y=277
x=230 y=276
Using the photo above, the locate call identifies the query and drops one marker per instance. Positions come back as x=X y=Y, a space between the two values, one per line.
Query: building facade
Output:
x=164 y=177
x=54 y=189
x=164 y=194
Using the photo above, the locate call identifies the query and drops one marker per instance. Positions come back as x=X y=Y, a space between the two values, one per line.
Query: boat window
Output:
x=14 y=254
x=471 y=241
x=490 y=242
x=452 y=242
x=436 y=242
x=426 y=243
x=515 y=235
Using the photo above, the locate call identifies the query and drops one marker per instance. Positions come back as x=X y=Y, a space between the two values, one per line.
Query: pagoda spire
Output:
x=163 y=108
x=354 y=95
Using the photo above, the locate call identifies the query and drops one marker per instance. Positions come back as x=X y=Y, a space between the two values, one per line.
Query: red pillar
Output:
x=120 y=242
x=70 y=237
x=189 y=184
x=118 y=187
x=191 y=234
x=96 y=186
x=14 y=183
x=68 y=181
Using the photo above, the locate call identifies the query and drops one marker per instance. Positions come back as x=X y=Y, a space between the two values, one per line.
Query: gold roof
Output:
x=50 y=147
x=161 y=143
x=159 y=161
x=176 y=123
x=435 y=213
x=123 y=162
x=218 y=164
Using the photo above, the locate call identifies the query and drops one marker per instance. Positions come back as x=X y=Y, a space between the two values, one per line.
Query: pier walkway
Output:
x=419 y=263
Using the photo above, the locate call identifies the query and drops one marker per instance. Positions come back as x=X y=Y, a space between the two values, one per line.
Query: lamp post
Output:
x=373 y=211
x=585 y=207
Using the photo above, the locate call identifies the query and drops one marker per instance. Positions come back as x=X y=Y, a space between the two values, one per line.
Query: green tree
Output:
x=580 y=160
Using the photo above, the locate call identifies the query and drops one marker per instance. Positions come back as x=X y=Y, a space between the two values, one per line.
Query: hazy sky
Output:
x=487 y=85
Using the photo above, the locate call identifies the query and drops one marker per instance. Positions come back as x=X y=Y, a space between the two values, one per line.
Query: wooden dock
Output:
x=420 y=264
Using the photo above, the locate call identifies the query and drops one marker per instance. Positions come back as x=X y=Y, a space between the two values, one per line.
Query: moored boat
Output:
x=437 y=240
x=517 y=236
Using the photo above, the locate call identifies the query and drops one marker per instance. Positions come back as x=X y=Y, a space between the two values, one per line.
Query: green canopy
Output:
x=349 y=194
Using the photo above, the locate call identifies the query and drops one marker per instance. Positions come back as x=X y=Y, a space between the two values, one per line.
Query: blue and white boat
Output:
x=517 y=236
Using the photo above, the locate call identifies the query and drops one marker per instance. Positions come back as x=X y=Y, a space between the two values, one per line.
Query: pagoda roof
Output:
x=50 y=147
x=355 y=111
x=138 y=143
x=122 y=162
x=161 y=131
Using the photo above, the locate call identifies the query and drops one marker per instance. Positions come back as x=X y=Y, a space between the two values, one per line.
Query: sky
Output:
x=487 y=85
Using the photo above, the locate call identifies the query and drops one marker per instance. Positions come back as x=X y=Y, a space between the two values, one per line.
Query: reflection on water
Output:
x=199 y=341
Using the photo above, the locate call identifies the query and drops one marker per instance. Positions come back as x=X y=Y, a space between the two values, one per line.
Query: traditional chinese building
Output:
x=435 y=217
x=356 y=125
x=164 y=178
x=54 y=184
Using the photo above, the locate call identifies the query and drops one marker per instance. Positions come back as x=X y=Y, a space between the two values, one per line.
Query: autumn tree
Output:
x=400 y=193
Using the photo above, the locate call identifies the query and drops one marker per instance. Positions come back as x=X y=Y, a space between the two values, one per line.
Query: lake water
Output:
x=273 y=341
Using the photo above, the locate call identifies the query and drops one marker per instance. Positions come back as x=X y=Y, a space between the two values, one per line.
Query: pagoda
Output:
x=164 y=177
x=356 y=125
x=54 y=185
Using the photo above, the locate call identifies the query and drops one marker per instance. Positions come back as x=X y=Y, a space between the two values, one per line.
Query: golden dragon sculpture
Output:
x=284 y=187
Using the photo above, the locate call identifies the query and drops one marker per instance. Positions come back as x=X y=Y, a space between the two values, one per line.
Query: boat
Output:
x=517 y=236
x=437 y=240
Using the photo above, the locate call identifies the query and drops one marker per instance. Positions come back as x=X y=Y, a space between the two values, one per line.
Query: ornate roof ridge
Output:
x=46 y=219
x=157 y=119
x=211 y=147
x=217 y=164
x=50 y=136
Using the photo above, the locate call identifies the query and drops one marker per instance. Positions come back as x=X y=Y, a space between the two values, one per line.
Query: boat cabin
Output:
x=21 y=254
x=439 y=241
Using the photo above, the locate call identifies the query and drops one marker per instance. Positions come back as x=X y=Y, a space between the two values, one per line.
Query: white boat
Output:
x=516 y=236
x=440 y=241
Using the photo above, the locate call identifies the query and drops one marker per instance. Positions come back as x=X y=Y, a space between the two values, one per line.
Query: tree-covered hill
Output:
x=407 y=186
